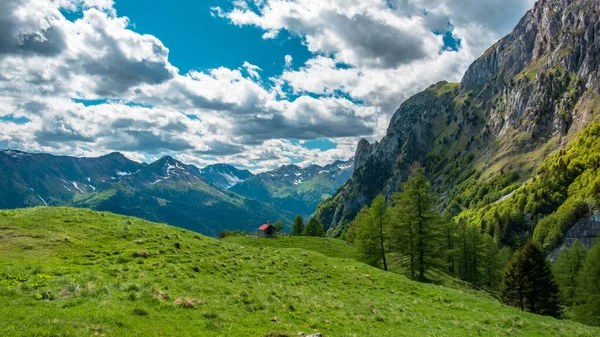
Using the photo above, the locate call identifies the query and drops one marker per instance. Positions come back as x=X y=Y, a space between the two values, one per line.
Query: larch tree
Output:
x=588 y=289
x=417 y=225
x=567 y=268
x=490 y=263
x=370 y=227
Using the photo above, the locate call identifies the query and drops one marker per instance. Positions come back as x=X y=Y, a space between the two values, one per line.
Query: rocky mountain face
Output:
x=296 y=190
x=526 y=97
x=224 y=176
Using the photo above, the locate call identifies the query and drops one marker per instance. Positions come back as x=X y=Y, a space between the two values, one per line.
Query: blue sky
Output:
x=257 y=84
x=197 y=40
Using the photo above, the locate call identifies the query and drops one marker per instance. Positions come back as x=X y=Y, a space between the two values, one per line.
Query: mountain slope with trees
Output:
x=527 y=97
x=296 y=190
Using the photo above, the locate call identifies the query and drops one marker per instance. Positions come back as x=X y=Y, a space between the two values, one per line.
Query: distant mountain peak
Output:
x=224 y=176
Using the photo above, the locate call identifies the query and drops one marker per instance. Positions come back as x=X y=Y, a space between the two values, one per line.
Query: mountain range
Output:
x=166 y=190
x=527 y=97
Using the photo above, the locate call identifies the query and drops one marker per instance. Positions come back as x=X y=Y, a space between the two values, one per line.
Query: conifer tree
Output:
x=528 y=283
x=297 y=226
x=462 y=252
x=371 y=226
x=417 y=233
x=313 y=228
x=380 y=219
x=567 y=268
x=450 y=250
x=491 y=268
x=588 y=289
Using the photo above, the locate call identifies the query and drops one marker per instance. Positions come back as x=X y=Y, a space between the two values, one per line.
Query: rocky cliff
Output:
x=527 y=96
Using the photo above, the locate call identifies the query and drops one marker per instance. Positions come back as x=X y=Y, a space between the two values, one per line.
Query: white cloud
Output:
x=288 y=60
x=252 y=70
x=374 y=52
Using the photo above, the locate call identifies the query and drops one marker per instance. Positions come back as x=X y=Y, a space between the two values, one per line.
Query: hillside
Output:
x=206 y=200
x=41 y=179
x=296 y=190
x=171 y=192
x=327 y=246
x=527 y=97
x=78 y=272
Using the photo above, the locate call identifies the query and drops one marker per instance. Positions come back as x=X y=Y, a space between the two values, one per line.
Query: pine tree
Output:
x=313 y=228
x=567 y=268
x=297 y=226
x=528 y=283
x=588 y=289
x=417 y=232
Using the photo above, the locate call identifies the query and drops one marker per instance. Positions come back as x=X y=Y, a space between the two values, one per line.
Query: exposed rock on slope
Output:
x=527 y=96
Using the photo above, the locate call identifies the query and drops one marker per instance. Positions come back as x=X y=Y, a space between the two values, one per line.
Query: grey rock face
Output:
x=586 y=231
x=534 y=89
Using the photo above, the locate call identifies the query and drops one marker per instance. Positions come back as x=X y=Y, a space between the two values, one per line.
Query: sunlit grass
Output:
x=75 y=272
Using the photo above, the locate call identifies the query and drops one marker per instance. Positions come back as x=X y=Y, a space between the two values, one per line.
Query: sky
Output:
x=253 y=83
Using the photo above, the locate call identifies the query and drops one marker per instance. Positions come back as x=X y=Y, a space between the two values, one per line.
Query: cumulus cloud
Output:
x=368 y=56
x=30 y=28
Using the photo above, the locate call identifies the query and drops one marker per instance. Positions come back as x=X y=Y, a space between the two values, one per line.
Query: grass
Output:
x=76 y=272
x=330 y=247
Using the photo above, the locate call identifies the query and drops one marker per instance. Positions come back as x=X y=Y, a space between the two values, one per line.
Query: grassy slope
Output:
x=327 y=246
x=84 y=262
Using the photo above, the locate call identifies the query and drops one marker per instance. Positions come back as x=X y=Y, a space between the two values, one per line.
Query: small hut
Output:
x=267 y=231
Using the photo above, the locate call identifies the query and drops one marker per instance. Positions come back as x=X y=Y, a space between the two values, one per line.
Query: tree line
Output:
x=313 y=228
x=409 y=236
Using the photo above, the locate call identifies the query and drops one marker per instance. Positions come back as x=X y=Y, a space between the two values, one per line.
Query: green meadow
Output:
x=76 y=272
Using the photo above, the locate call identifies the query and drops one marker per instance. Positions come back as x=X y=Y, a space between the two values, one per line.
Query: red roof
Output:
x=264 y=227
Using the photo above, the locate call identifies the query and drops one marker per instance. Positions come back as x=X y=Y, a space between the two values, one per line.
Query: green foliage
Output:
x=528 y=282
x=567 y=268
x=564 y=189
x=416 y=226
x=369 y=226
x=588 y=289
x=475 y=256
x=297 y=226
x=313 y=228
x=279 y=226
x=231 y=287
x=474 y=193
